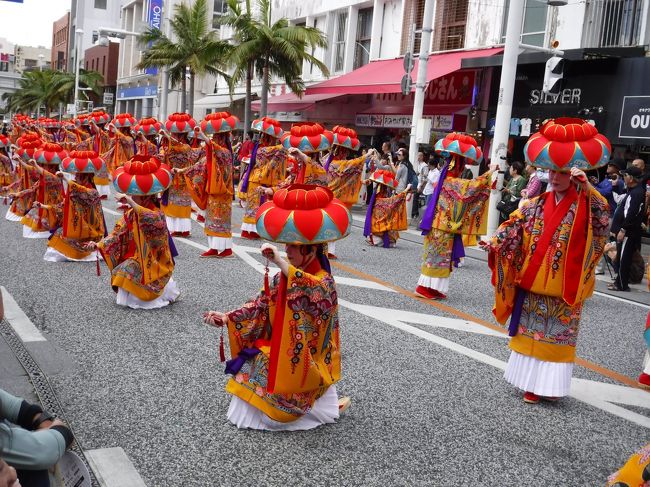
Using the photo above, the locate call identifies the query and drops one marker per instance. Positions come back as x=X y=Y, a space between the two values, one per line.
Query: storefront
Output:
x=140 y=101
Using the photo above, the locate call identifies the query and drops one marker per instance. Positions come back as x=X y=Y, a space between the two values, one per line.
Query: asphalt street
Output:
x=430 y=406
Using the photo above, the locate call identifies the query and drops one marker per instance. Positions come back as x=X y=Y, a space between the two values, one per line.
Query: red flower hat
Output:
x=564 y=143
x=122 y=120
x=215 y=123
x=267 y=125
x=346 y=137
x=180 y=123
x=5 y=143
x=303 y=214
x=148 y=126
x=100 y=117
x=385 y=177
x=142 y=175
x=461 y=145
x=28 y=144
x=86 y=161
x=309 y=137
x=50 y=153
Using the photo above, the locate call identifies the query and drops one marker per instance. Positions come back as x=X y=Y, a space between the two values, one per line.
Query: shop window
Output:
x=364 y=33
x=220 y=8
x=533 y=30
x=413 y=17
x=339 y=41
x=317 y=52
x=100 y=4
x=450 y=25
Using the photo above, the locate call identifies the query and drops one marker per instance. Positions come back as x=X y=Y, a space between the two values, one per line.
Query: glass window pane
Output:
x=535 y=17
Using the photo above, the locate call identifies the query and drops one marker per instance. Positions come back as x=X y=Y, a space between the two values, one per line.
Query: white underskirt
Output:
x=29 y=233
x=220 y=243
x=12 y=217
x=646 y=363
x=440 y=284
x=325 y=410
x=103 y=189
x=248 y=227
x=169 y=295
x=178 y=224
x=331 y=248
x=53 y=255
x=549 y=379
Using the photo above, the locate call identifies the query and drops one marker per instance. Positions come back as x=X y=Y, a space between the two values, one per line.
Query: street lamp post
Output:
x=41 y=57
x=78 y=40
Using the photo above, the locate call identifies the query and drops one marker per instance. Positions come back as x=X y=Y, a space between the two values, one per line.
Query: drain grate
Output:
x=42 y=386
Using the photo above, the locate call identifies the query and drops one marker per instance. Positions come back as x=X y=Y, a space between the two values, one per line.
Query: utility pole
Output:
x=78 y=39
x=504 y=106
x=164 y=90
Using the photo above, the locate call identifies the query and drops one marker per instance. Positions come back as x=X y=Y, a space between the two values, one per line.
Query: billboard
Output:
x=154 y=18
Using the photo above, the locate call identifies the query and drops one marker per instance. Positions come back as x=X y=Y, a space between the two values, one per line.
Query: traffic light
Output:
x=553 y=75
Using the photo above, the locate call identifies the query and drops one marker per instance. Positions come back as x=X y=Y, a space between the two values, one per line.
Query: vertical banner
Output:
x=155 y=22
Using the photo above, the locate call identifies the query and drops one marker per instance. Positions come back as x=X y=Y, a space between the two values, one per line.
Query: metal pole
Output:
x=79 y=36
x=164 y=90
x=504 y=106
x=421 y=83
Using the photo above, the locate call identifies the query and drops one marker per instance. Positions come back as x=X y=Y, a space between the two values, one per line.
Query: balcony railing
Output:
x=613 y=23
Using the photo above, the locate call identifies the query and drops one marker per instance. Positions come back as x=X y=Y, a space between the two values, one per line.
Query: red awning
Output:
x=385 y=76
x=408 y=109
x=290 y=102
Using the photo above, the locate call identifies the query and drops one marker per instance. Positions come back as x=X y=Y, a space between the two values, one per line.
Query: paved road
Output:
x=429 y=404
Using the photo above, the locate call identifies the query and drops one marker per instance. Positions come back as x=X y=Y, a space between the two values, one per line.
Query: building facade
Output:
x=8 y=76
x=104 y=60
x=60 y=43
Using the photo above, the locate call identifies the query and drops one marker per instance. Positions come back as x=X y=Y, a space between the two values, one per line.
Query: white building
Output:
x=29 y=58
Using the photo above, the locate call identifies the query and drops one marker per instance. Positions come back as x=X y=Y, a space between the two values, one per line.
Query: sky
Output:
x=30 y=23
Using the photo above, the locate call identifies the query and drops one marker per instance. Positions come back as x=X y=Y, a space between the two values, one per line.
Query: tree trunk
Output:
x=191 y=104
x=247 y=102
x=183 y=93
x=265 y=88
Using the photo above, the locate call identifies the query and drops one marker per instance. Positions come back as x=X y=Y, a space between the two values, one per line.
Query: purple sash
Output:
x=430 y=212
x=367 y=226
x=329 y=161
x=234 y=365
x=244 y=184
x=515 y=317
x=457 y=249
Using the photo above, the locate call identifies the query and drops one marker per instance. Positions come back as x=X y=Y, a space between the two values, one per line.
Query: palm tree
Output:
x=277 y=49
x=196 y=49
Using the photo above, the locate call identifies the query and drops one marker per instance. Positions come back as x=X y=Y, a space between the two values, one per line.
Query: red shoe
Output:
x=225 y=253
x=531 y=398
x=103 y=197
x=210 y=253
x=331 y=256
x=644 y=380
x=185 y=234
x=425 y=292
x=245 y=234
x=200 y=218
x=254 y=236
x=176 y=234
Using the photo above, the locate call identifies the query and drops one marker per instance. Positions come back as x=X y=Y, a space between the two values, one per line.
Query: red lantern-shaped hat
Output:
x=100 y=117
x=180 y=123
x=564 y=143
x=5 y=143
x=82 y=120
x=459 y=145
x=82 y=161
x=142 y=175
x=50 y=153
x=49 y=123
x=219 y=122
x=28 y=144
x=123 y=120
x=267 y=125
x=148 y=126
x=303 y=214
x=309 y=137
x=346 y=137
x=387 y=178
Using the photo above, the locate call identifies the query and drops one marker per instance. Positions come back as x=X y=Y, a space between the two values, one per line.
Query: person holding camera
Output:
x=511 y=194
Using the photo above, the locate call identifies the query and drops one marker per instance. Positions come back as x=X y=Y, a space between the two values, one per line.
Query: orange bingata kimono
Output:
x=388 y=216
x=120 y=151
x=288 y=344
x=177 y=199
x=49 y=193
x=22 y=191
x=210 y=183
x=99 y=143
x=268 y=172
x=345 y=179
x=137 y=253
x=7 y=173
x=83 y=221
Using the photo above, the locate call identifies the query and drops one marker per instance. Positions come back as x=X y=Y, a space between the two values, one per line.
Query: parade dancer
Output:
x=344 y=170
x=82 y=215
x=284 y=343
x=43 y=218
x=22 y=191
x=386 y=213
x=7 y=172
x=139 y=252
x=146 y=141
x=122 y=145
x=457 y=207
x=98 y=142
x=304 y=142
x=266 y=169
x=211 y=184
x=177 y=154
x=543 y=258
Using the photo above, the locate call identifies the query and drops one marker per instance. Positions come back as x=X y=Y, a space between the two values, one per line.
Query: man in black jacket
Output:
x=626 y=225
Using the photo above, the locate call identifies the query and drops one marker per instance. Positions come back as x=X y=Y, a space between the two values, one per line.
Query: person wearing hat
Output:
x=284 y=343
x=82 y=213
x=22 y=192
x=122 y=143
x=43 y=218
x=146 y=140
x=210 y=182
x=139 y=251
x=266 y=168
x=386 y=212
x=304 y=143
x=543 y=259
x=178 y=154
x=456 y=207
x=627 y=225
x=99 y=142
x=7 y=173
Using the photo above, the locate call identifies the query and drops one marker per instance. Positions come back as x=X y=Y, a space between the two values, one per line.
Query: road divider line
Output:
x=19 y=321
x=113 y=468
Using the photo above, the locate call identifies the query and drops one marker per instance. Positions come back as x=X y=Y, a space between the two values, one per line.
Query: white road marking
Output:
x=606 y=397
x=113 y=468
x=19 y=321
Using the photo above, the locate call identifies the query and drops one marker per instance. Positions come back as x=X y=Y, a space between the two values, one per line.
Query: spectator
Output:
x=246 y=147
x=402 y=174
x=385 y=162
x=618 y=186
x=385 y=149
x=433 y=175
x=626 y=225
x=31 y=440
x=395 y=142
x=511 y=194
x=534 y=186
